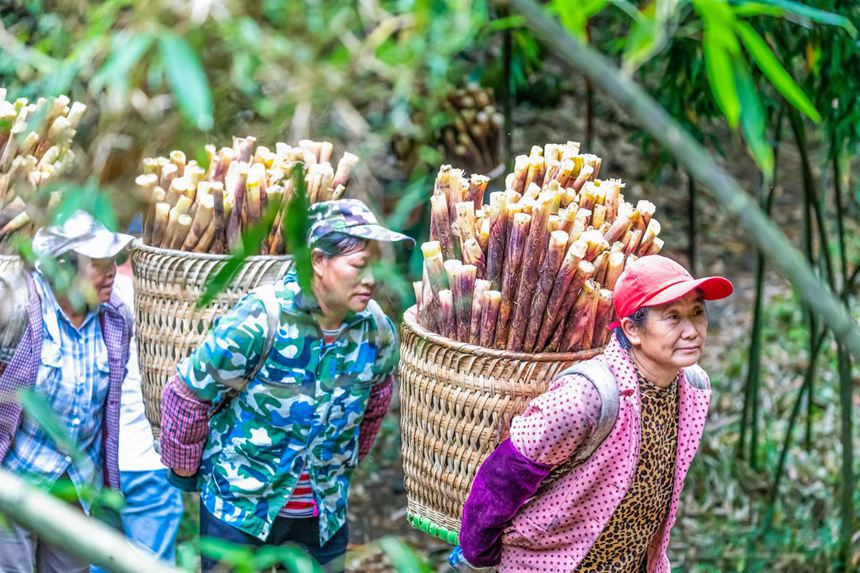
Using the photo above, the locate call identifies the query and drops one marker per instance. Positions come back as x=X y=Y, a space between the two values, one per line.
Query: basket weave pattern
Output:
x=168 y=324
x=457 y=402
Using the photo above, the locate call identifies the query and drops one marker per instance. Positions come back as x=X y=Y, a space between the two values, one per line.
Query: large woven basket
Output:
x=457 y=401
x=168 y=325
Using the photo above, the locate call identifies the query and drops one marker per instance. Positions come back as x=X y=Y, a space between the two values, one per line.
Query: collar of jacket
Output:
x=304 y=306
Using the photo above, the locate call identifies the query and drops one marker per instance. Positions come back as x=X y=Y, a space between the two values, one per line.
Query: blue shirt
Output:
x=73 y=379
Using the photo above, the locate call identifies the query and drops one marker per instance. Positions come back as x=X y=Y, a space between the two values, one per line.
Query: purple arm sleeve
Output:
x=505 y=481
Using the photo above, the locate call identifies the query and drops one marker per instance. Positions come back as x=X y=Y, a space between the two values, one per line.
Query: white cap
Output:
x=82 y=234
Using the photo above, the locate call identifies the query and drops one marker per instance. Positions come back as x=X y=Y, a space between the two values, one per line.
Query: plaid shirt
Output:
x=74 y=379
x=304 y=409
x=24 y=369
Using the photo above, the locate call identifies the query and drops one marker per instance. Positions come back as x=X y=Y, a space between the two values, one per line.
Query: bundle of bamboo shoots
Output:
x=474 y=135
x=533 y=270
x=206 y=210
x=35 y=147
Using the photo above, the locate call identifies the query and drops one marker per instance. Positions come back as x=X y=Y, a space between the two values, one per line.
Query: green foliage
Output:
x=187 y=80
x=245 y=559
x=402 y=556
x=37 y=407
x=296 y=228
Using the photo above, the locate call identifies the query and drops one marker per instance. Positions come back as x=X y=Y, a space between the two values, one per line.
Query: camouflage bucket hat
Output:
x=350 y=217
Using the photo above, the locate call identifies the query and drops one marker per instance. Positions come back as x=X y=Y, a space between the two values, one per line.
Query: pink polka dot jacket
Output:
x=509 y=523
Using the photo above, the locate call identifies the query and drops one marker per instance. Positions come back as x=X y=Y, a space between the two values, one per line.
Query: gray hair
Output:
x=638 y=318
x=336 y=244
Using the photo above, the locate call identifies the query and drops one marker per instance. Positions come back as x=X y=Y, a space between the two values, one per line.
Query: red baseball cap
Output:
x=656 y=280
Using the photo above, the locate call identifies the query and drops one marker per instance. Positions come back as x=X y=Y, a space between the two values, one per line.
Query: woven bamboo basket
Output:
x=457 y=401
x=168 y=324
x=9 y=263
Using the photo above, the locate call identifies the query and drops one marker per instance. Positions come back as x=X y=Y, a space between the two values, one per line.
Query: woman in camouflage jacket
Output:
x=273 y=464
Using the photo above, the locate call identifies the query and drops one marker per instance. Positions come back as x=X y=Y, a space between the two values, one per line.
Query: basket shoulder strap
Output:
x=696 y=377
x=598 y=373
x=273 y=321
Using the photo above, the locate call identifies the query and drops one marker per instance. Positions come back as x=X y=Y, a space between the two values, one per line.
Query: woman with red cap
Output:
x=591 y=475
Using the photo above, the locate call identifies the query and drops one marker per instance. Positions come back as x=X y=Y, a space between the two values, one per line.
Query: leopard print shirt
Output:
x=623 y=544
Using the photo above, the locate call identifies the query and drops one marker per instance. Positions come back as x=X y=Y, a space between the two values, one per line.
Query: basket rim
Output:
x=410 y=320
x=139 y=245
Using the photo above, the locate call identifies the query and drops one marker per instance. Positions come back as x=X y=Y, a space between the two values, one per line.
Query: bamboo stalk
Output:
x=547 y=280
x=567 y=272
x=498 y=237
x=202 y=219
x=453 y=268
x=612 y=199
x=632 y=243
x=522 y=164
x=448 y=321
x=622 y=224
x=511 y=274
x=584 y=175
x=584 y=272
x=580 y=324
x=602 y=319
x=183 y=225
x=478 y=297
x=464 y=225
x=156 y=196
x=531 y=259
x=159 y=224
x=489 y=317
x=440 y=224
x=588 y=197
x=648 y=237
x=646 y=212
x=435 y=264
x=614 y=268
x=64 y=526
x=219 y=220
x=477 y=187
x=473 y=255
x=598 y=216
x=600 y=262
x=596 y=243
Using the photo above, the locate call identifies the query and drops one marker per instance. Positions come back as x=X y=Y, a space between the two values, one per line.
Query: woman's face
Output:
x=100 y=273
x=674 y=334
x=345 y=282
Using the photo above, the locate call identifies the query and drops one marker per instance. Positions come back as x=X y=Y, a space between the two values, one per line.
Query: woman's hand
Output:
x=183 y=480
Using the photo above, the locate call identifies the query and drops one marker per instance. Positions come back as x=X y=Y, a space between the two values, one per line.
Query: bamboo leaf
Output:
x=718 y=66
x=804 y=11
x=574 y=14
x=248 y=246
x=506 y=23
x=187 y=80
x=295 y=559
x=37 y=408
x=751 y=9
x=402 y=557
x=773 y=70
x=125 y=54
x=752 y=120
x=644 y=39
x=296 y=227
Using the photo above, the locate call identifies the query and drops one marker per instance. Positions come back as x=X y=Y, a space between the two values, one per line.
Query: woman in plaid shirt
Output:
x=273 y=463
x=71 y=348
